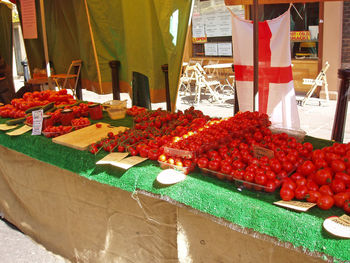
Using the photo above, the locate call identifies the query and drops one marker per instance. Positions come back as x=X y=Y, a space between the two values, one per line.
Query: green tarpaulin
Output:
x=141 y=34
x=7 y=89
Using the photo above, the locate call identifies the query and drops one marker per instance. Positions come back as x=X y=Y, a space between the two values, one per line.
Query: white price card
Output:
x=19 y=131
x=112 y=158
x=170 y=176
x=5 y=127
x=338 y=226
x=37 y=121
x=295 y=205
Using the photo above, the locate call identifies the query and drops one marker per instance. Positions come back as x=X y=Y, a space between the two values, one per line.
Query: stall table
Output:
x=88 y=213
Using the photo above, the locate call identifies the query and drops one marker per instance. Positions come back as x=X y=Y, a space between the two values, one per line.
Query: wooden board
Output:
x=82 y=138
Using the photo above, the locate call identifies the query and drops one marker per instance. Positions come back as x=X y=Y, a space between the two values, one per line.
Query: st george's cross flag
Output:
x=276 y=90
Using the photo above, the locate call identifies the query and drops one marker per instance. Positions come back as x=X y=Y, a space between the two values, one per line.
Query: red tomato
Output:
x=270 y=175
x=214 y=165
x=260 y=179
x=238 y=174
x=270 y=186
x=340 y=198
x=202 y=162
x=311 y=185
x=323 y=176
x=286 y=194
x=308 y=146
x=320 y=163
x=226 y=168
x=248 y=176
x=325 y=190
x=318 y=154
x=313 y=196
x=296 y=176
x=325 y=202
x=338 y=186
x=338 y=166
x=344 y=177
x=307 y=168
x=300 y=192
x=301 y=181
x=275 y=165
x=289 y=184
x=347 y=206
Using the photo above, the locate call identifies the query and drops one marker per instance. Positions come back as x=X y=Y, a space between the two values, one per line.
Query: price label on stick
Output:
x=261 y=151
x=37 y=121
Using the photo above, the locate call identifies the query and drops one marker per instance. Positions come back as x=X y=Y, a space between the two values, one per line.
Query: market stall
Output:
x=89 y=212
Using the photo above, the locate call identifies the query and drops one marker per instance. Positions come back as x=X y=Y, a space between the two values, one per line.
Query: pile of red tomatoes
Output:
x=323 y=179
x=18 y=106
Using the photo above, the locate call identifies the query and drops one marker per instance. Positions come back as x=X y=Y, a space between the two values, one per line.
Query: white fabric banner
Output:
x=276 y=89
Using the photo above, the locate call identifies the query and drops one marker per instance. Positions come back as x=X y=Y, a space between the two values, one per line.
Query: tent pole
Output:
x=256 y=53
x=94 y=47
x=46 y=52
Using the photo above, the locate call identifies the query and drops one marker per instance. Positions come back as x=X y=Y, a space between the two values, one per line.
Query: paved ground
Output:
x=15 y=247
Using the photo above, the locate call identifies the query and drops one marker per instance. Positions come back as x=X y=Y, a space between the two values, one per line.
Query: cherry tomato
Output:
x=270 y=186
x=340 y=198
x=313 y=196
x=286 y=194
x=202 y=162
x=338 y=166
x=323 y=176
x=347 y=206
x=338 y=186
x=325 y=190
x=325 y=202
x=300 y=192
x=307 y=168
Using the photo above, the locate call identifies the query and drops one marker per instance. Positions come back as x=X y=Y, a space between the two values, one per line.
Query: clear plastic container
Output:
x=179 y=153
x=116 y=114
x=240 y=184
x=299 y=134
x=182 y=169
x=115 y=104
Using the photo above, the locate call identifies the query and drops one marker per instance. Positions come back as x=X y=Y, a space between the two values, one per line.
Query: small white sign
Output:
x=295 y=205
x=211 y=49
x=37 y=121
x=225 y=49
x=170 y=176
x=337 y=226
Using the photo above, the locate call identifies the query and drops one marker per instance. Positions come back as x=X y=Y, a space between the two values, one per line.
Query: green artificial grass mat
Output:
x=248 y=209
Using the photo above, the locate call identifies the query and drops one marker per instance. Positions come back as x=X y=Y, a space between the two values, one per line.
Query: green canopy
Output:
x=6 y=46
x=141 y=34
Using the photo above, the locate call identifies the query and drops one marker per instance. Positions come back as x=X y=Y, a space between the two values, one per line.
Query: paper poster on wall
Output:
x=211 y=49
x=29 y=19
x=197 y=27
x=225 y=49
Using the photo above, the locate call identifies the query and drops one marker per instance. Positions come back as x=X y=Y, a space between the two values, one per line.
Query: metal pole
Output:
x=342 y=106
x=115 y=64
x=46 y=52
x=256 y=53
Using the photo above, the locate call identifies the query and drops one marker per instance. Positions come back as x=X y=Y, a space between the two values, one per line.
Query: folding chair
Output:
x=72 y=74
x=209 y=85
x=187 y=78
x=320 y=80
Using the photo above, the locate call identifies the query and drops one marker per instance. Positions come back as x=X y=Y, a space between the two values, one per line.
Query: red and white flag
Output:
x=276 y=90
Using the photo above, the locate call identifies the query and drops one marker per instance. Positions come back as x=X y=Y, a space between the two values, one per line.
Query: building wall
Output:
x=346 y=36
x=332 y=41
